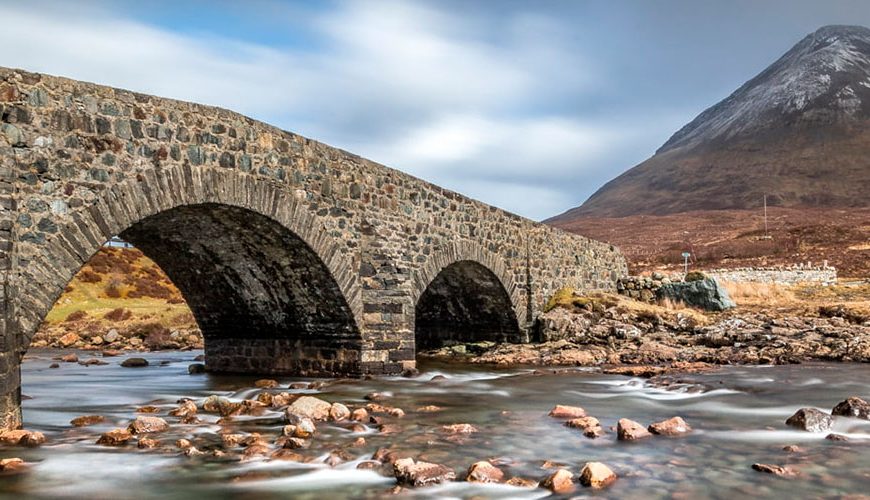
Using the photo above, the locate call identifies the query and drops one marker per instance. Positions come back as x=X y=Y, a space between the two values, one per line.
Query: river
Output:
x=737 y=413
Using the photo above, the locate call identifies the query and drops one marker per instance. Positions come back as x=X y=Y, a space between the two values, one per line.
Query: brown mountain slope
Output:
x=799 y=132
x=735 y=238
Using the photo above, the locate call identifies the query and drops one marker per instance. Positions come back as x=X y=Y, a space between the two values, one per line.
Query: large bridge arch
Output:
x=465 y=293
x=260 y=272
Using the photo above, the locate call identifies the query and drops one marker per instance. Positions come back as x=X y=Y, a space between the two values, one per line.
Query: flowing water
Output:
x=738 y=415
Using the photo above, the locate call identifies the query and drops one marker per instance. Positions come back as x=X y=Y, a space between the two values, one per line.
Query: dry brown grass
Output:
x=600 y=301
x=750 y=293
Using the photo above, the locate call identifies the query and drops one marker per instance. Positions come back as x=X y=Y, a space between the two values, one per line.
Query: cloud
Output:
x=450 y=98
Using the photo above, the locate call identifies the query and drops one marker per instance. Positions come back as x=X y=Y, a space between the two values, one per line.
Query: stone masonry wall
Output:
x=80 y=163
x=791 y=275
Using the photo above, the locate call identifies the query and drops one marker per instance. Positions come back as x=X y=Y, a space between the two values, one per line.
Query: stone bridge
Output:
x=295 y=257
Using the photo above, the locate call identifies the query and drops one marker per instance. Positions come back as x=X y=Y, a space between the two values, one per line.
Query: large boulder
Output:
x=311 y=407
x=810 y=419
x=853 y=407
x=705 y=294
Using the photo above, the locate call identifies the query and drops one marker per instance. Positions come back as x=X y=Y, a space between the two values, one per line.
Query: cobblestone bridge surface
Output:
x=295 y=257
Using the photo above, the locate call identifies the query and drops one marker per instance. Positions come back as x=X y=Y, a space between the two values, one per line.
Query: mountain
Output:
x=799 y=133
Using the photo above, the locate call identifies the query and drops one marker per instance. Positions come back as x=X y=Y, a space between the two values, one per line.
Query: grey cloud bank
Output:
x=528 y=106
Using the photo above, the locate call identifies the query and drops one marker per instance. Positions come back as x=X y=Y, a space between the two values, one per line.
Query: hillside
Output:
x=736 y=238
x=120 y=290
x=799 y=133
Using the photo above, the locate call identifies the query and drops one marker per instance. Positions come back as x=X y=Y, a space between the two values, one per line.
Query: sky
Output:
x=527 y=105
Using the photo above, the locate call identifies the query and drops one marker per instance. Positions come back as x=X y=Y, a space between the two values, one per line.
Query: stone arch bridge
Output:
x=294 y=256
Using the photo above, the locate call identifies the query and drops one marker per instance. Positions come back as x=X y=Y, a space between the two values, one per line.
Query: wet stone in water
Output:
x=810 y=419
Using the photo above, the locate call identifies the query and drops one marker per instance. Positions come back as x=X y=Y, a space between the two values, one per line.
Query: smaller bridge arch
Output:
x=466 y=294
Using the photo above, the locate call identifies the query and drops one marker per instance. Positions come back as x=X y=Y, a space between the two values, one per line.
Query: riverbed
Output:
x=737 y=414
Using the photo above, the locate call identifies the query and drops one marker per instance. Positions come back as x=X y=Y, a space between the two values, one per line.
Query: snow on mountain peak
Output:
x=825 y=76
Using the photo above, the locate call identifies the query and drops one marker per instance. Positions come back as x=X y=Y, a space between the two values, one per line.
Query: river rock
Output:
x=70 y=358
x=93 y=361
x=86 y=420
x=22 y=437
x=706 y=294
x=185 y=409
x=115 y=437
x=54 y=365
x=282 y=399
x=559 y=482
x=484 y=472
x=520 y=482
x=853 y=407
x=112 y=335
x=412 y=473
x=338 y=412
x=147 y=443
x=192 y=451
x=309 y=406
x=459 y=429
x=222 y=406
x=673 y=426
x=596 y=475
x=304 y=427
x=836 y=437
x=359 y=415
x=68 y=339
x=295 y=443
x=196 y=369
x=146 y=425
x=629 y=430
x=287 y=455
x=266 y=383
x=590 y=426
x=134 y=363
x=810 y=419
x=562 y=411
x=776 y=470
x=11 y=464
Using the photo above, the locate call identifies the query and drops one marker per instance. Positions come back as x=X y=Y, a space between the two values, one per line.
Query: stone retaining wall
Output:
x=780 y=275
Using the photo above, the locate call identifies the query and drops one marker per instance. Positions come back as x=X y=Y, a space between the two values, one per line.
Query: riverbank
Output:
x=609 y=330
x=204 y=434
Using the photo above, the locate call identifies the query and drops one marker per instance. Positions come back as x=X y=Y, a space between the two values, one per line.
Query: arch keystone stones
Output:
x=320 y=257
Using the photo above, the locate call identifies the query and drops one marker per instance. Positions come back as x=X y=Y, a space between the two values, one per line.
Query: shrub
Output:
x=564 y=297
x=155 y=335
x=113 y=289
x=76 y=316
x=119 y=314
x=695 y=276
x=89 y=276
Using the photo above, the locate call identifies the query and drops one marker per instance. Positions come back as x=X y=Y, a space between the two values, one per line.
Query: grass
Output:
x=120 y=278
x=567 y=298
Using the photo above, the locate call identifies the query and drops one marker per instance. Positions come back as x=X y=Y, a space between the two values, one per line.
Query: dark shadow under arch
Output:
x=263 y=298
x=465 y=302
